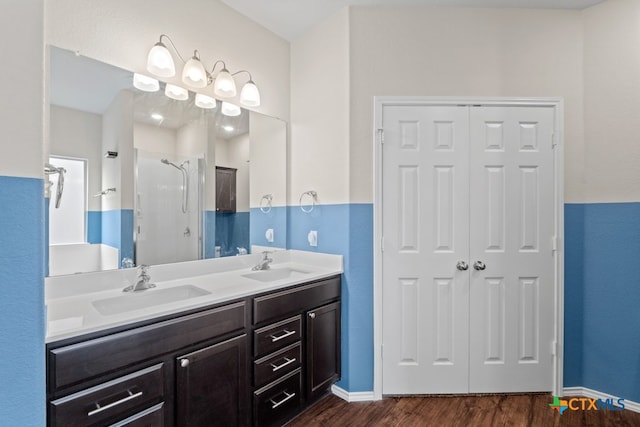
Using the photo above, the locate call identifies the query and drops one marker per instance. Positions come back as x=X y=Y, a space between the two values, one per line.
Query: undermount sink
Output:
x=144 y=299
x=275 y=274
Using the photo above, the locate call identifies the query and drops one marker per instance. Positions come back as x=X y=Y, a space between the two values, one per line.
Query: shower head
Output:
x=167 y=162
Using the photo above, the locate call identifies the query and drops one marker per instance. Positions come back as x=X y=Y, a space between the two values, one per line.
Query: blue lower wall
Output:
x=611 y=323
x=232 y=232
x=573 y=293
x=22 y=332
x=94 y=227
x=117 y=231
x=275 y=219
x=345 y=230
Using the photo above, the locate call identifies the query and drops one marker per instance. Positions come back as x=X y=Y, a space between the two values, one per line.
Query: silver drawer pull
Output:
x=288 y=362
x=288 y=397
x=286 y=334
x=116 y=403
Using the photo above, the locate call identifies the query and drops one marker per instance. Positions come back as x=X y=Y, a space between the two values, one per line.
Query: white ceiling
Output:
x=289 y=18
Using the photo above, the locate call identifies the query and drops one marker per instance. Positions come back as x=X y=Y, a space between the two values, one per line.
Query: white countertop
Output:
x=69 y=299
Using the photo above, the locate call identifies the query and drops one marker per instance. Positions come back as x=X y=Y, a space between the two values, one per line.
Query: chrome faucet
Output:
x=264 y=264
x=142 y=280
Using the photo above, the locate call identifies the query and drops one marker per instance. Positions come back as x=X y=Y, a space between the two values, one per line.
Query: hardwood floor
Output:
x=463 y=411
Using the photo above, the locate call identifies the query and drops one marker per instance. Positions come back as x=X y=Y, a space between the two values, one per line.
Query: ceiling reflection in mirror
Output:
x=163 y=180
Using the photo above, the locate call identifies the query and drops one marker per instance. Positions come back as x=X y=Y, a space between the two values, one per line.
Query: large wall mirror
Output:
x=137 y=177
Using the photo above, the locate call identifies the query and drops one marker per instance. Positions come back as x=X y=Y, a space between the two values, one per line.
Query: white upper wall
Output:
x=22 y=81
x=121 y=32
x=612 y=100
x=154 y=139
x=430 y=51
x=319 y=150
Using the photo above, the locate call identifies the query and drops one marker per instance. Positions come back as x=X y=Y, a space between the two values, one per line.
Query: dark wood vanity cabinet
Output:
x=296 y=349
x=188 y=370
x=260 y=361
x=323 y=348
x=212 y=385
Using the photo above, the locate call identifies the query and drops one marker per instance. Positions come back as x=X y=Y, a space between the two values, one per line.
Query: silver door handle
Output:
x=462 y=266
x=184 y=363
x=130 y=396
x=283 y=336
x=479 y=266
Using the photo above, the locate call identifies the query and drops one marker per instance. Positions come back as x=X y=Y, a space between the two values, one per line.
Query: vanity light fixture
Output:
x=194 y=74
x=145 y=83
x=157 y=116
x=249 y=95
x=176 y=92
x=229 y=109
x=204 y=101
x=159 y=61
x=228 y=128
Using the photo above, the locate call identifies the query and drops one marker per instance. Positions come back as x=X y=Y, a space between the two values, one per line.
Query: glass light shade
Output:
x=194 y=74
x=224 y=85
x=231 y=110
x=249 y=95
x=145 y=83
x=160 y=62
x=176 y=92
x=204 y=101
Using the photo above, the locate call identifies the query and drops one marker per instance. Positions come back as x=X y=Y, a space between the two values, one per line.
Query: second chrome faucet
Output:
x=265 y=263
x=142 y=280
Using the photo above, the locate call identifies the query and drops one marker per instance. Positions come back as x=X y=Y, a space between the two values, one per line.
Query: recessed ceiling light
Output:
x=157 y=116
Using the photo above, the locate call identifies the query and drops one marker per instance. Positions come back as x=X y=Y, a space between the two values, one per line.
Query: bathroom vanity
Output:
x=255 y=349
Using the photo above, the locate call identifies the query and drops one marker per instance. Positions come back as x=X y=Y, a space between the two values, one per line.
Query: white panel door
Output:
x=426 y=233
x=512 y=225
x=475 y=185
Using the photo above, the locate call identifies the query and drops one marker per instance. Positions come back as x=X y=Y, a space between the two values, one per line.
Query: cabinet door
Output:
x=323 y=348
x=212 y=385
x=225 y=189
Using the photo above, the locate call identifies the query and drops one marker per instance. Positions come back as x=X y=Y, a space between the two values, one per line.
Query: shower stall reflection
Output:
x=168 y=212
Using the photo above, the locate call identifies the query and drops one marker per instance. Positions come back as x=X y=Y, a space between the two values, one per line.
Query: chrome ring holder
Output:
x=266 y=208
x=314 y=200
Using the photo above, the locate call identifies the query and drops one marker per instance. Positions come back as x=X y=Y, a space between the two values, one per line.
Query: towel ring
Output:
x=266 y=208
x=314 y=200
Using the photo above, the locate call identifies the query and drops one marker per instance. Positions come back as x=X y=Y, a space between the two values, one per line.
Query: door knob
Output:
x=184 y=363
x=462 y=266
x=479 y=266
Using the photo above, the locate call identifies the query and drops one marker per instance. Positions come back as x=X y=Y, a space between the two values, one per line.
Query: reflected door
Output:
x=467 y=265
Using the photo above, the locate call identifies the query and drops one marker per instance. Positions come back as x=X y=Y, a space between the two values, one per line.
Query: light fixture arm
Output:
x=175 y=49
x=243 y=71
x=219 y=61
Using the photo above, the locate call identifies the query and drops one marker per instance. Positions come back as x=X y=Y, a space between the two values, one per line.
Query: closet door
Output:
x=511 y=258
x=426 y=235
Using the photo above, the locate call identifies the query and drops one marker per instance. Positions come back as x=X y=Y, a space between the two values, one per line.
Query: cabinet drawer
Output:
x=276 y=336
x=152 y=417
x=278 y=401
x=78 y=362
x=280 y=304
x=106 y=401
x=277 y=364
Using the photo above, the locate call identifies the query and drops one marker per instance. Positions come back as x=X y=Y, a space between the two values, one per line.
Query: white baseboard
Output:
x=358 y=396
x=594 y=394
